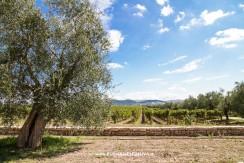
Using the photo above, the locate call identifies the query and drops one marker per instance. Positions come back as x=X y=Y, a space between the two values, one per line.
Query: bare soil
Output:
x=154 y=149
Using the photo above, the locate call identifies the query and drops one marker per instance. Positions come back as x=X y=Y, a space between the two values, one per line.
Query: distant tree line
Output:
x=232 y=101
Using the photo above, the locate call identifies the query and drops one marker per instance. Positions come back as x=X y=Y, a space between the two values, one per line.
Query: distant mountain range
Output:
x=137 y=102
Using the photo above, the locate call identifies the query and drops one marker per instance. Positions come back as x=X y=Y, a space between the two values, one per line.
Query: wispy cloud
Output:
x=242 y=70
x=206 y=18
x=177 y=88
x=241 y=5
x=173 y=93
x=140 y=10
x=125 y=5
x=217 y=77
x=227 y=38
x=155 y=80
x=173 y=60
x=189 y=67
x=147 y=46
x=162 y=28
x=181 y=16
x=210 y=78
x=192 y=80
x=111 y=66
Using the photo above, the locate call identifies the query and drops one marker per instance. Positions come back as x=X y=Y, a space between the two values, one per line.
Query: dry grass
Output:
x=155 y=149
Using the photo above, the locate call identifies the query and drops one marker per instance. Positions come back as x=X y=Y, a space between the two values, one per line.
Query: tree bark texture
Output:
x=31 y=133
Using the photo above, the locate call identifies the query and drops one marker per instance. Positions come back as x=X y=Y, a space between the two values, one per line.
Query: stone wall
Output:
x=140 y=131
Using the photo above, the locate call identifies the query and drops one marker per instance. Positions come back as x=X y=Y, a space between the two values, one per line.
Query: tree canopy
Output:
x=55 y=60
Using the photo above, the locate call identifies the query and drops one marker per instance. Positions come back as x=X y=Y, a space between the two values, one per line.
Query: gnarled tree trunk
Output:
x=31 y=133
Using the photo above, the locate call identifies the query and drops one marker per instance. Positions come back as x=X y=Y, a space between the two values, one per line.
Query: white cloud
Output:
x=193 y=22
x=242 y=70
x=161 y=2
x=177 y=88
x=102 y=7
x=141 y=9
x=114 y=66
x=210 y=17
x=116 y=39
x=155 y=80
x=206 y=18
x=227 y=38
x=189 y=81
x=147 y=46
x=241 y=6
x=125 y=5
x=180 y=17
x=189 y=67
x=167 y=10
x=217 y=77
x=174 y=60
x=162 y=28
x=146 y=95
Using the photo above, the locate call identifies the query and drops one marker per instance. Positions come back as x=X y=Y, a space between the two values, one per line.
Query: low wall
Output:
x=139 y=131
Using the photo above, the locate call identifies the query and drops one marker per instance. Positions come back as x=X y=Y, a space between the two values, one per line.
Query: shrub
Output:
x=119 y=113
x=178 y=114
x=148 y=114
x=161 y=114
x=199 y=113
x=213 y=114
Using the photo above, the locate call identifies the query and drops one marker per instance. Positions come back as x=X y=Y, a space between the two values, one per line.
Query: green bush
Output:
x=148 y=113
x=161 y=114
x=213 y=114
x=178 y=114
x=200 y=114
x=119 y=113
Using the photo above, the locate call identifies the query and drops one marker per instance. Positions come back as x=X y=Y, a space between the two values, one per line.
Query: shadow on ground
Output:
x=51 y=147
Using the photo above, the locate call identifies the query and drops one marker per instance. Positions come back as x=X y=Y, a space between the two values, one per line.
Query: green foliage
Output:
x=54 y=59
x=119 y=113
x=148 y=114
x=12 y=113
x=189 y=119
x=213 y=114
x=51 y=146
x=190 y=103
x=182 y=116
x=178 y=114
x=199 y=113
x=161 y=113
x=237 y=101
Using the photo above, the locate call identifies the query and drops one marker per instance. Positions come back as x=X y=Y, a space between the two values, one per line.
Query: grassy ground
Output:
x=51 y=146
x=127 y=149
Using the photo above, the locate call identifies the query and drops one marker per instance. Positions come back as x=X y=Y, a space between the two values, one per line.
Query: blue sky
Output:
x=170 y=49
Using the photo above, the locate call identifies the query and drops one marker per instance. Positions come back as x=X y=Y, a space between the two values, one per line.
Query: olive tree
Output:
x=237 y=98
x=53 y=59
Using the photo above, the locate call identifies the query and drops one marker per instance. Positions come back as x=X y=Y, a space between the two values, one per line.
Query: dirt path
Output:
x=155 y=149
